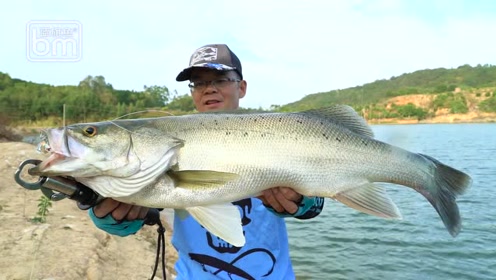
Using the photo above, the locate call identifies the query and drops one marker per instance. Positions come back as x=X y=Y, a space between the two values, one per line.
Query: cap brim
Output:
x=186 y=73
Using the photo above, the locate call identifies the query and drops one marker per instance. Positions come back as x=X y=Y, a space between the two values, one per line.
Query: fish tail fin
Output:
x=448 y=184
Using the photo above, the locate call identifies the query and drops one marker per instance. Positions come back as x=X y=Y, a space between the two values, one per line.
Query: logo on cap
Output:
x=204 y=54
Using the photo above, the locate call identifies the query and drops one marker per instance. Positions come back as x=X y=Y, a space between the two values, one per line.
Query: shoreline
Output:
x=469 y=118
x=414 y=122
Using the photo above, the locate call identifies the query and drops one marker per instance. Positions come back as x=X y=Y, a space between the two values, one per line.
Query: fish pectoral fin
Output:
x=370 y=199
x=190 y=179
x=222 y=220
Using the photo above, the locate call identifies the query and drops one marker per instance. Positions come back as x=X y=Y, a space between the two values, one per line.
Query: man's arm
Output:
x=124 y=219
x=285 y=202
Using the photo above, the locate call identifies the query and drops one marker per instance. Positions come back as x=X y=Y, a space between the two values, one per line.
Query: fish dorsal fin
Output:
x=345 y=116
x=371 y=199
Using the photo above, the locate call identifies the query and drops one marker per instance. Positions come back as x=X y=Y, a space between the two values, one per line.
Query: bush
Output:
x=440 y=101
x=455 y=102
x=488 y=105
x=440 y=88
x=458 y=107
x=410 y=110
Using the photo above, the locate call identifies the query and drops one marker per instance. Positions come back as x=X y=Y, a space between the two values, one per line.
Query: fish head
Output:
x=84 y=150
x=125 y=154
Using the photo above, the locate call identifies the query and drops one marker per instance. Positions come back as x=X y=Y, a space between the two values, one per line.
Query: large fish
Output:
x=202 y=162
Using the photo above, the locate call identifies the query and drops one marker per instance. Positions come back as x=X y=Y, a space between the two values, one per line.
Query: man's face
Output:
x=220 y=97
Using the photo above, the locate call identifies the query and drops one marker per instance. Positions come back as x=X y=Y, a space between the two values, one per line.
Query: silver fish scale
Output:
x=261 y=148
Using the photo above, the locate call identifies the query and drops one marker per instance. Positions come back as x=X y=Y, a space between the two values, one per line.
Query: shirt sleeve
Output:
x=308 y=208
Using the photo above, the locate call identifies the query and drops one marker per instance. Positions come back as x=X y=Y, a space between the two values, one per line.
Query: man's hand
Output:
x=119 y=211
x=281 y=199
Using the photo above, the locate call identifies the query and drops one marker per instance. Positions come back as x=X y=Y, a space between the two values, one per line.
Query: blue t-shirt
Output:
x=205 y=256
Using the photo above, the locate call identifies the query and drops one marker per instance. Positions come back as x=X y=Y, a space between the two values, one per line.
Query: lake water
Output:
x=342 y=243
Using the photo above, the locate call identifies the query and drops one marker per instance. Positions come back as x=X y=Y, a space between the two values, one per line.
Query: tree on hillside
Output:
x=157 y=96
x=5 y=81
x=182 y=103
x=97 y=84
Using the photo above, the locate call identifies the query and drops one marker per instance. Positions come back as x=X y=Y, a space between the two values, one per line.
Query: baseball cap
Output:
x=216 y=56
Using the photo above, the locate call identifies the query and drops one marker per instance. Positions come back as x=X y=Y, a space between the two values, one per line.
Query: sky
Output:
x=288 y=49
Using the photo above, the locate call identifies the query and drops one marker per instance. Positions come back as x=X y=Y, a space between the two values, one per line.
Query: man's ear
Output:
x=242 y=88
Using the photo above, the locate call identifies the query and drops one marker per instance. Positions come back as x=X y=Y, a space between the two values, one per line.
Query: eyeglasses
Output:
x=218 y=84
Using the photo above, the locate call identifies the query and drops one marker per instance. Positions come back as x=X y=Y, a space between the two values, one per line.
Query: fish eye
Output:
x=89 y=131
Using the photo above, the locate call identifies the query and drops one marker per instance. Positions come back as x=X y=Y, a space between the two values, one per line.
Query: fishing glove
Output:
x=308 y=207
x=110 y=225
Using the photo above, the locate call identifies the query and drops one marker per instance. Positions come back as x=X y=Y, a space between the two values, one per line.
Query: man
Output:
x=216 y=83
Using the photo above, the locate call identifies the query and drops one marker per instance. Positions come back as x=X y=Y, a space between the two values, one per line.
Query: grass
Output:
x=43 y=211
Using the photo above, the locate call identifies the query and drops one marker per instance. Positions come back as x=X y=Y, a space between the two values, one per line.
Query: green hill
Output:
x=432 y=81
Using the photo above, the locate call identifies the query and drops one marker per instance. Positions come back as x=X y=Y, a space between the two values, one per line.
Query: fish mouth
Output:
x=58 y=151
x=53 y=159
